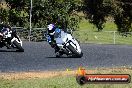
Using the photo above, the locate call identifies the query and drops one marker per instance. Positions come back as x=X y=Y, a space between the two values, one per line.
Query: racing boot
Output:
x=58 y=52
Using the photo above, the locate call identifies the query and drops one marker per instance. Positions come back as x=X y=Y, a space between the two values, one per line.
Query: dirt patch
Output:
x=28 y=75
x=49 y=74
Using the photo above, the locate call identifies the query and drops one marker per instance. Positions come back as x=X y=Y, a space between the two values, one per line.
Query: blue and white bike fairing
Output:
x=62 y=38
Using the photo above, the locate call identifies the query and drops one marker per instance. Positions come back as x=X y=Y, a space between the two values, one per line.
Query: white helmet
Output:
x=51 y=29
x=50 y=26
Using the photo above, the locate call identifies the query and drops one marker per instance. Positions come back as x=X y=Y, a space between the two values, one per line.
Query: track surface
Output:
x=40 y=57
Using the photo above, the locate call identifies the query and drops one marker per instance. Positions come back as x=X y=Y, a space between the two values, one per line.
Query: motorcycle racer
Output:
x=6 y=30
x=50 y=37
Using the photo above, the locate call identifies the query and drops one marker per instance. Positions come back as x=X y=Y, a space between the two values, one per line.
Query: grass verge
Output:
x=62 y=79
x=87 y=33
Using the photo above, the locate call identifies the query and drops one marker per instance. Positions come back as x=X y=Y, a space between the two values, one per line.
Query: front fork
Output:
x=66 y=50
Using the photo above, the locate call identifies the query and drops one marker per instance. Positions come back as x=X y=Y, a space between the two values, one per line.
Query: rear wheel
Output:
x=18 y=46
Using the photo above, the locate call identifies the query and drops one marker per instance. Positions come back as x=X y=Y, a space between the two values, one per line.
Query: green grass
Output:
x=101 y=37
x=87 y=33
x=85 y=25
x=63 y=81
x=57 y=82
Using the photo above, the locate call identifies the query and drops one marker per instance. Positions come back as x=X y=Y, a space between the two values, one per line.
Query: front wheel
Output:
x=18 y=46
x=75 y=53
x=80 y=55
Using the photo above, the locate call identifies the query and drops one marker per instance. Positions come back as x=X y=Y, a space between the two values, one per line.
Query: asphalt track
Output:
x=40 y=57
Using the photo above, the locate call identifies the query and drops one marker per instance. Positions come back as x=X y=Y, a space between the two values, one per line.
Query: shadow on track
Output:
x=59 y=57
x=62 y=57
x=7 y=51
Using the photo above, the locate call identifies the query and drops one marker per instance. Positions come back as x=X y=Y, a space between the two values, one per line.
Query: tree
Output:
x=59 y=11
x=63 y=12
x=17 y=12
x=123 y=17
x=3 y=12
x=4 y=15
x=98 y=10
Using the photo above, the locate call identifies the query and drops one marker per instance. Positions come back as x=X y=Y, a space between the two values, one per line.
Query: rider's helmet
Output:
x=51 y=29
x=6 y=28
